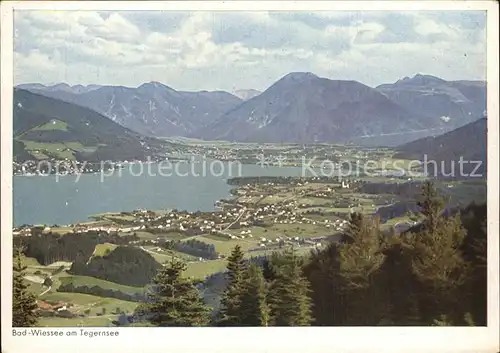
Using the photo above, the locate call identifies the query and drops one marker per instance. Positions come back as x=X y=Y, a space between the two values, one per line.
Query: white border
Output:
x=312 y=339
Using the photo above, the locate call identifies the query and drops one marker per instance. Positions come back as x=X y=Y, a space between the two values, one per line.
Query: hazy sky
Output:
x=233 y=50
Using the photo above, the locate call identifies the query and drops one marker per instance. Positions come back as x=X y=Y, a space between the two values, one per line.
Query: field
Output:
x=52 y=125
x=167 y=235
x=465 y=192
x=29 y=261
x=98 y=311
x=166 y=255
x=98 y=321
x=43 y=150
x=199 y=270
x=109 y=216
x=60 y=150
x=79 y=281
x=304 y=230
x=325 y=209
x=225 y=246
x=61 y=230
x=34 y=287
x=104 y=249
x=395 y=164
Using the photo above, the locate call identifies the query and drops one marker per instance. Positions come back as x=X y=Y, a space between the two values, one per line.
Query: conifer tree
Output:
x=175 y=301
x=24 y=303
x=267 y=270
x=355 y=224
x=398 y=285
x=437 y=259
x=431 y=205
x=289 y=300
x=254 y=311
x=230 y=313
x=360 y=259
x=322 y=271
x=474 y=250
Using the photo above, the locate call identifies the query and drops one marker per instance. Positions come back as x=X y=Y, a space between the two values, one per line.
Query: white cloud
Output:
x=115 y=27
x=204 y=50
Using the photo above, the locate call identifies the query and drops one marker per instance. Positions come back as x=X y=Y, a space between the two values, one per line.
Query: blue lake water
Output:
x=66 y=199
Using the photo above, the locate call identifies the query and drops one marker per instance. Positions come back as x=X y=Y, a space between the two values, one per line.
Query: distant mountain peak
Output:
x=421 y=79
x=246 y=94
x=61 y=85
x=154 y=85
x=299 y=76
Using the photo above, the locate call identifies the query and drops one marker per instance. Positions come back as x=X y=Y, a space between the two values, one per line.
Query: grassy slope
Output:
x=104 y=249
x=99 y=138
x=78 y=281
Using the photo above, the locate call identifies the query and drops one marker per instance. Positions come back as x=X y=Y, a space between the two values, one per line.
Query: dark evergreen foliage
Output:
x=433 y=274
x=254 y=310
x=174 y=300
x=229 y=314
x=289 y=293
x=126 y=265
x=24 y=303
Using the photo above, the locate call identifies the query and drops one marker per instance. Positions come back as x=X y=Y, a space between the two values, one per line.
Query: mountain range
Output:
x=299 y=107
x=454 y=102
x=302 y=107
x=152 y=109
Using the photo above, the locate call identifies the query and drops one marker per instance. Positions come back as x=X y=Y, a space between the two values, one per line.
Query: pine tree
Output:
x=399 y=285
x=437 y=259
x=289 y=300
x=474 y=250
x=230 y=313
x=355 y=224
x=175 y=301
x=267 y=270
x=254 y=311
x=431 y=205
x=24 y=303
x=322 y=271
x=360 y=259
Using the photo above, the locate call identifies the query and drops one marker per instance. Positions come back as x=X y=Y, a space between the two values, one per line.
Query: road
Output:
x=157 y=253
x=45 y=291
x=40 y=280
x=236 y=220
x=399 y=224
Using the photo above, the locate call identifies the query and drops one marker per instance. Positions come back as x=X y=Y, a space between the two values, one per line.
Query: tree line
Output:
x=51 y=247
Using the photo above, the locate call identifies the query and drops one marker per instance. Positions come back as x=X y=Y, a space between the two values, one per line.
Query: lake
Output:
x=68 y=199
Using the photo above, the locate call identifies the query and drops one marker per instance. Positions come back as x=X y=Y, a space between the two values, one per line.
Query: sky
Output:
x=241 y=50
